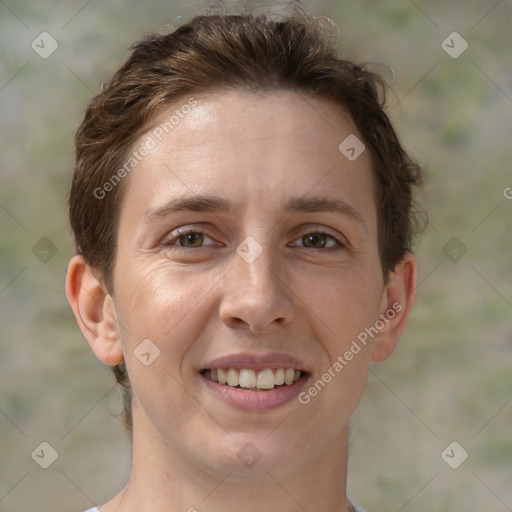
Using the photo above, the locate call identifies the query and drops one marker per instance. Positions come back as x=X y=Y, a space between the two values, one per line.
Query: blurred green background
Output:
x=450 y=378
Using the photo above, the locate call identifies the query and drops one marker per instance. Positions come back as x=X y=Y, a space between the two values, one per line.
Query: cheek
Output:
x=346 y=303
x=163 y=307
x=346 y=308
x=168 y=306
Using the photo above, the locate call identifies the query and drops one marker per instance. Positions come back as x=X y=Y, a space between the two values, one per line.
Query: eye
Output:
x=320 y=240
x=188 y=238
x=193 y=238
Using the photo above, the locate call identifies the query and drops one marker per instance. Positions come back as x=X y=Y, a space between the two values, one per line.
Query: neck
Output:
x=165 y=478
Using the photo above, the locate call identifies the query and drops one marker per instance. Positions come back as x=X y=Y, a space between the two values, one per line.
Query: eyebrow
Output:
x=214 y=204
x=200 y=203
x=323 y=204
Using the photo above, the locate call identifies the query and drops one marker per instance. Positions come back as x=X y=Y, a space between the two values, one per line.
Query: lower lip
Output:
x=255 y=400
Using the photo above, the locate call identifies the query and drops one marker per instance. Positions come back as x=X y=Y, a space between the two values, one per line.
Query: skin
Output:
x=309 y=298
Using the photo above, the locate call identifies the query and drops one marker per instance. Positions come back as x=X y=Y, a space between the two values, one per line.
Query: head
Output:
x=254 y=111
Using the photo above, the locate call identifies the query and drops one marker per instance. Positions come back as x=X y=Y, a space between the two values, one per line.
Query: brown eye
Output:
x=187 y=239
x=192 y=239
x=315 y=240
x=319 y=240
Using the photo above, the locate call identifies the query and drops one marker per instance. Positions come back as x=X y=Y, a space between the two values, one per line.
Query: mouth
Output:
x=249 y=379
x=255 y=382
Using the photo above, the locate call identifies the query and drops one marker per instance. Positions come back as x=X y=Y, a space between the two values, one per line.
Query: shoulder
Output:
x=354 y=506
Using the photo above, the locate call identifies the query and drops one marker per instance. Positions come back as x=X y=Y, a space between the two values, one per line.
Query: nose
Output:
x=256 y=294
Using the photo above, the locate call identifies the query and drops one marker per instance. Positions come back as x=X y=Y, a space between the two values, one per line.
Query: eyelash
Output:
x=169 y=242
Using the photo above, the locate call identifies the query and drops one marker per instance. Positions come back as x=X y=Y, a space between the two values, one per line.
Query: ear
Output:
x=397 y=301
x=94 y=311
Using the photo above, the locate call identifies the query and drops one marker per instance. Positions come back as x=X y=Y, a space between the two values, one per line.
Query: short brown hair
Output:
x=250 y=52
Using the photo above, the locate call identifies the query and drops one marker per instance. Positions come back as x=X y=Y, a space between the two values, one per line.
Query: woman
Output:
x=243 y=218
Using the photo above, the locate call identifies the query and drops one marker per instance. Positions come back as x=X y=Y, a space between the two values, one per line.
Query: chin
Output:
x=253 y=455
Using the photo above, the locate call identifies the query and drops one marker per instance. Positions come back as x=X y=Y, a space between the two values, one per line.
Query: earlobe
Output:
x=396 y=306
x=94 y=311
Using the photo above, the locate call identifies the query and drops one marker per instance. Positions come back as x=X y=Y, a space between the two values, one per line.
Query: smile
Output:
x=253 y=380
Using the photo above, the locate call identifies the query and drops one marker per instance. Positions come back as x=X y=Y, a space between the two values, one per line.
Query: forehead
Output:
x=244 y=119
x=254 y=149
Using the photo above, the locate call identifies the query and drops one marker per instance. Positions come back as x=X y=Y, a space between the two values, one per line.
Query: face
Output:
x=248 y=241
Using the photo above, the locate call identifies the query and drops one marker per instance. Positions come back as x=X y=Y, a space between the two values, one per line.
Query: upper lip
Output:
x=257 y=361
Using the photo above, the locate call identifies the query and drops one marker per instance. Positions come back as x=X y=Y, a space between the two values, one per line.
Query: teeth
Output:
x=222 y=377
x=289 y=374
x=232 y=379
x=247 y=379
x=250 y=379
x=266 y=379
